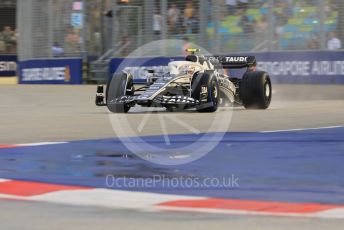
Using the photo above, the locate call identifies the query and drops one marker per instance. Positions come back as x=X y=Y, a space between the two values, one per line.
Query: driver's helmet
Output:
x=187 y=68
x=173 y=69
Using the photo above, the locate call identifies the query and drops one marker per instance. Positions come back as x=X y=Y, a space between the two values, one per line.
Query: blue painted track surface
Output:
x=293 y=166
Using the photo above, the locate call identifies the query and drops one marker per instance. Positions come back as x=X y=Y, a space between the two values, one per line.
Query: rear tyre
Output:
x=119 y=85
x=255 y=90
x=205 y=89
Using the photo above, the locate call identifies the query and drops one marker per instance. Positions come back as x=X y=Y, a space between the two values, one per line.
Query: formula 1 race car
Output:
x=198 y=82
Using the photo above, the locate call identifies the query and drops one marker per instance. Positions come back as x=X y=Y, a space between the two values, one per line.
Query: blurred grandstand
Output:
x=117 y=27
x=97 y=30
x=8 y=35
x=101 y=29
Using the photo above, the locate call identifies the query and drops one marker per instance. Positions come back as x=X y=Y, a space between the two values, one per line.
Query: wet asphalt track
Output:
x=64 y=113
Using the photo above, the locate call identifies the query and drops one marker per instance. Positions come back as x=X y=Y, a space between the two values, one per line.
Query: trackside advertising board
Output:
x=322 y=67
x=8 y=65
x=52 y=71
x=299 y=67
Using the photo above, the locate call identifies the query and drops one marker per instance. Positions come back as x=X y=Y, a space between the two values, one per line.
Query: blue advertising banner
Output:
x=305 y=67
x=53 y=71
x=299 y=67
x=8 y=65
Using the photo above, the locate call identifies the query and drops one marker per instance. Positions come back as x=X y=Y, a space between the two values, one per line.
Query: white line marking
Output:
x=40 y=144
x=6 y=196
x=145 y=201
x=3 y=180
x=144 y=122
x=332 y=213
x=329 y=214
x=108 y=198
x=164 y=130
x=184 y=124
x=302 y=129
x=179 y=157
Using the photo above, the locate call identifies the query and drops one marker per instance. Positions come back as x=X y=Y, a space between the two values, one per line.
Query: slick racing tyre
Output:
x=255 y=90
x=205 y=89
x=119 y=85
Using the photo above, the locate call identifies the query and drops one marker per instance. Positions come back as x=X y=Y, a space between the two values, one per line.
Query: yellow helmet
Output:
x=192 y=50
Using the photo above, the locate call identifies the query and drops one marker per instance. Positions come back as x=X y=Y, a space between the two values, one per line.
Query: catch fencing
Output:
x=69 y=28
x=96 y=31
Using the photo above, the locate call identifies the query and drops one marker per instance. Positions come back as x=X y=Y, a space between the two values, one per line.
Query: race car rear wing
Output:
x=226 y=62
x=233 y=62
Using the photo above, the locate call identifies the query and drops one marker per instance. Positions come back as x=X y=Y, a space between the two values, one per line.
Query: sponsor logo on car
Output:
x=235 y=59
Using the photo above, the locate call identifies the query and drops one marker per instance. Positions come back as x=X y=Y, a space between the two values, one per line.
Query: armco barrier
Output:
x=51 y=71
x=8 y=65
x=299 y=67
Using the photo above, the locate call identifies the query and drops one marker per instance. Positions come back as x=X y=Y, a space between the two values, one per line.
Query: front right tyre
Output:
x=119 y=85
x=205 y=89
